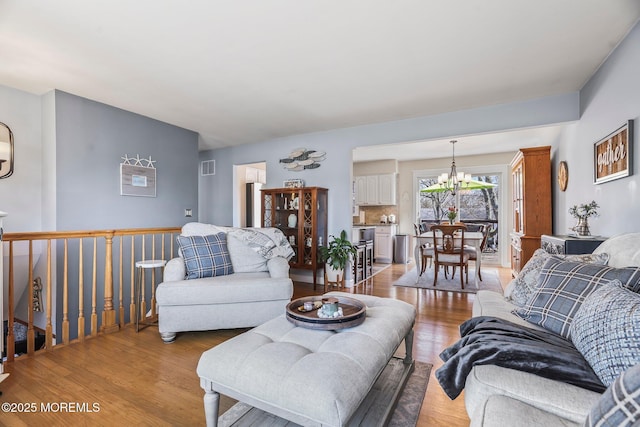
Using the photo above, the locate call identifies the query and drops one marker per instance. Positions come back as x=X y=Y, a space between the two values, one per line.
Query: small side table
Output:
x=141 y=266
x=566 y=245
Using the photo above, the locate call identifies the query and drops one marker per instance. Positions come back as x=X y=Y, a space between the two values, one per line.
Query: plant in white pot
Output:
x=336 y=255
x=582 y=214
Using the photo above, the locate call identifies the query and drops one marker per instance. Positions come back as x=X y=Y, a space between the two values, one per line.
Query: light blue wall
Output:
x=49 y=160
x=21 y=193
x=91 y=138
x=67 y=155
x=607 y=101
x=216 y=192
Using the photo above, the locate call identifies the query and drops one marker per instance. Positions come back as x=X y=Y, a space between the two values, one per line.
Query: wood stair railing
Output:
x=68 y=280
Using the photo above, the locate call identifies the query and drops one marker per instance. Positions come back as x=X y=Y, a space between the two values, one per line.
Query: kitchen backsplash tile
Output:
x=372 y=214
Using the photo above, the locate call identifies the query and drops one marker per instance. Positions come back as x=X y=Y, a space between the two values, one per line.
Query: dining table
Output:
x=471 y=238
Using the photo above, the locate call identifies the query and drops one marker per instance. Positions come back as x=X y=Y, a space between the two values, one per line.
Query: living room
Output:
x=51 y=128
x=69 y=147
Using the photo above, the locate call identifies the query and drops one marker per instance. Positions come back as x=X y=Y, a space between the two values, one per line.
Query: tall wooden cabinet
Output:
x=301 y=214
x=531 y=209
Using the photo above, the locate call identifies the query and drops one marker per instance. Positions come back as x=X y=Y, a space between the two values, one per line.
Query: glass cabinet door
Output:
x=301 y=215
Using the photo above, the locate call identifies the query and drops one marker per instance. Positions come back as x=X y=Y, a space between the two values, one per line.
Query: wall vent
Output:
x=208 y=167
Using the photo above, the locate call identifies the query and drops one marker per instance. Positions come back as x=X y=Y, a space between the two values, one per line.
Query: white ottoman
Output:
x=308 y=376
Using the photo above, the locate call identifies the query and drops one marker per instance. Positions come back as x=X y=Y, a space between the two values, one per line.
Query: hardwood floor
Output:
x=134 y=379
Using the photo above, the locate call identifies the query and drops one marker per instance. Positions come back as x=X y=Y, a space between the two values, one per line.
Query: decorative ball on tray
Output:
x=330 y=308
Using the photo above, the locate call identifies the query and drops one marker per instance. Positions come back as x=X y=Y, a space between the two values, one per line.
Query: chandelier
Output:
x=451 y=182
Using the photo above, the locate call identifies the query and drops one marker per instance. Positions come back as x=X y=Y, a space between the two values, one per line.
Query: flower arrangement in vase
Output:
x=452 y=213
x=582 y=213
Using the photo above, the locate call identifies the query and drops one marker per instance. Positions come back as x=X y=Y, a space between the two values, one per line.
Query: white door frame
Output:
x=502 y=171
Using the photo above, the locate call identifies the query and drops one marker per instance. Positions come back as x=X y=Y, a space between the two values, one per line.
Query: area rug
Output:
x=410 y=402
x=405 y=413
x=490 y=281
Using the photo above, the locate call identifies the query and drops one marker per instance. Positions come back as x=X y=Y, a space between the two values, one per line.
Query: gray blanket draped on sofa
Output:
x=490 y=340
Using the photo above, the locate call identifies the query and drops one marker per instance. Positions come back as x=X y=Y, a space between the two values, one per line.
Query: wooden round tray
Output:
x=354 y=312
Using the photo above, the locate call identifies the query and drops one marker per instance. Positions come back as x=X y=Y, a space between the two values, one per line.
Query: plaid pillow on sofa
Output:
x=205 y=256
x=562 y=287
x=520 y=289
x=620 y=403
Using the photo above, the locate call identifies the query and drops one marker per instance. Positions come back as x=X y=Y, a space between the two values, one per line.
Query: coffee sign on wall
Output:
x=612 y=155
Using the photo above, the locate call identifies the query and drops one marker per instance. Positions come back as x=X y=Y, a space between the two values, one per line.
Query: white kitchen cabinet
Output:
x=387 y=189
x=383 y=243
x=372 y=190
x=361 y=190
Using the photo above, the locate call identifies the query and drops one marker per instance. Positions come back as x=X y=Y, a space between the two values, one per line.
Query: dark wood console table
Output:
x=565 y=245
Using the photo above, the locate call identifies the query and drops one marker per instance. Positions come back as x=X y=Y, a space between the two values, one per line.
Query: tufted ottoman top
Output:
x=306 y=374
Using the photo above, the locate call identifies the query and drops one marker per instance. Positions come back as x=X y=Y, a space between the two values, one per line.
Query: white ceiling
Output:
x=247 y=71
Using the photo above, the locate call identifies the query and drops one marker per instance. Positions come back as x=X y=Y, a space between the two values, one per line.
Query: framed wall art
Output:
x=137 y=177
x=613 y=155
x=302 y=159
x=293 y=183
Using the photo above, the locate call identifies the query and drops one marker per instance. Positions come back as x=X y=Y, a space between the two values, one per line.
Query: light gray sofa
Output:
x=497 y=396
x=258 y=290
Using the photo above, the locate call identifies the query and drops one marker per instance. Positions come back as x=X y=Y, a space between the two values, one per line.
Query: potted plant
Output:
x=336 y=255
x=582 y=214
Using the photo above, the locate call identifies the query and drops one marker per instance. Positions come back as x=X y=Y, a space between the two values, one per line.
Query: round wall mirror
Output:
x=6 y=151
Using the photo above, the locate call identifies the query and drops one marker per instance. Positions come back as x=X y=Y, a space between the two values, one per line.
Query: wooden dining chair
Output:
x=448 y=250
x=426 y=251
x=471 y=250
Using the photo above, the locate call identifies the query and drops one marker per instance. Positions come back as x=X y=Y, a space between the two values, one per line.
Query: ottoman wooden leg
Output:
x=408 y=344
x=211 y=406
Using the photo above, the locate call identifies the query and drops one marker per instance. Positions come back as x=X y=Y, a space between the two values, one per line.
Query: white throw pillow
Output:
x=243 y=258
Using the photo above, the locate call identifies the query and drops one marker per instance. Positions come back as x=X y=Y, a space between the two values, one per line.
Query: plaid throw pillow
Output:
x=525 y=284
x=606 y=330
x=620 y=403
x=563 y=286
x=205 y=256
